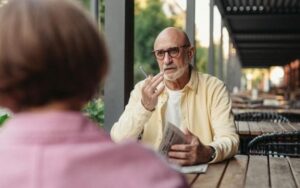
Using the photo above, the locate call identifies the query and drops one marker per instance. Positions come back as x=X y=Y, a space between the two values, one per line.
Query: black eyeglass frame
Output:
x=168 y=51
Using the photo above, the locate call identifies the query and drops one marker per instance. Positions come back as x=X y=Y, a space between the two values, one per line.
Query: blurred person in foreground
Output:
x=52 y=60
x=197 y=103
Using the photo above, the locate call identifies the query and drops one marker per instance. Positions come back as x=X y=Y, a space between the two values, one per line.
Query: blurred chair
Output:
x=276 y=144
x=292 y=117
x=260 y=116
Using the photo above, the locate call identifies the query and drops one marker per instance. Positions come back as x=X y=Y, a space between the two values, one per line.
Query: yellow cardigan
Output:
x=206 y=112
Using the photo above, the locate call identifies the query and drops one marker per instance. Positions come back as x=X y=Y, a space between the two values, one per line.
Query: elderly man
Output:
x=197 y=103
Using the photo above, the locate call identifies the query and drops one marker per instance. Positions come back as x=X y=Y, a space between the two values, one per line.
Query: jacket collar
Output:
x=194 y=80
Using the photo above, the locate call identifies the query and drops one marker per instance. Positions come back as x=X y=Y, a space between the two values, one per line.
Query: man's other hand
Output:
x=190 y=154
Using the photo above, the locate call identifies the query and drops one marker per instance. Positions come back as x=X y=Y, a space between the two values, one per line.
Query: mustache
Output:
x=168 y=67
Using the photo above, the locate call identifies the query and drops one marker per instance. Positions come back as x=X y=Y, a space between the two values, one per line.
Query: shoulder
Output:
x=209 y=83
x=210 y=80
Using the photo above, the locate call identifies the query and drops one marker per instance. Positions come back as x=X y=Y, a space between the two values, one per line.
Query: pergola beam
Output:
x=211 y=50
x=190 y=23
x=119 y=32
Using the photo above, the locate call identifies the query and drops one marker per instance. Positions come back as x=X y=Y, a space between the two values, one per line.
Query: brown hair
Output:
x=50 y=50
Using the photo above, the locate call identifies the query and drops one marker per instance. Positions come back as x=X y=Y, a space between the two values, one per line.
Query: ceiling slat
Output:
x=263 y=31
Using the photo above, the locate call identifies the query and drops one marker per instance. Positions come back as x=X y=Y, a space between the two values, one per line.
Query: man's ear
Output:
x=191 y=52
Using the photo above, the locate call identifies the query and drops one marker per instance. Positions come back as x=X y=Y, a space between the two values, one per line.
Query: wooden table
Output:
x=248 y=130
x=250 y=171
x=237 y=110
x=253 y=128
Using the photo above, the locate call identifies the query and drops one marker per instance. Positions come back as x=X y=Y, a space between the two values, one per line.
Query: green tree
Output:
x=149 y=21
x=102 y=12
x=217 y=57
x=95 y=110
x=3 y=118
x=87 y=5
x=201 y=58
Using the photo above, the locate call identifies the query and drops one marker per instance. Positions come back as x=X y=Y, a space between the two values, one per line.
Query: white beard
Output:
x=176 y=75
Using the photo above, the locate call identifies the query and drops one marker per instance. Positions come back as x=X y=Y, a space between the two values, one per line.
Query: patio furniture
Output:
x=260 y=116
x=276 y=144
x=292 y=117
x=250 y=171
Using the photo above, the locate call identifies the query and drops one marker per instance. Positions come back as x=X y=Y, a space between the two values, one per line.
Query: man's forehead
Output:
x=165 y=45
x=166 y=40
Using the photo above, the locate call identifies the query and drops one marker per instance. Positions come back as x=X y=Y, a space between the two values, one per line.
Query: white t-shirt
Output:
x=173 y=112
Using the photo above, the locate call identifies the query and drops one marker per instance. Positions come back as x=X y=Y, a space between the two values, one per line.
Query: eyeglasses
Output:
x=173 y=52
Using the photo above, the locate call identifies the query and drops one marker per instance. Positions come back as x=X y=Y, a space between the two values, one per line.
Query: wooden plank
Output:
x=296 y=126
x=191 y=178
x=257 y=173
x=235 y=172
x=277 y=127
x=287 y=127
x=266 y=127
x=243 y=128
x=254 y=128
x=280 y=173
x=295 y=167
x=212 y=177
x=292 y=124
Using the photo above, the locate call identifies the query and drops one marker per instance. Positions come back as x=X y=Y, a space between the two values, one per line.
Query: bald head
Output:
x=172 y=34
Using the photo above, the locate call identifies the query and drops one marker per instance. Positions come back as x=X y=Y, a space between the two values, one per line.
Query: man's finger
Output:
x=147 y=82
x=151 y=82
x=179 y=155
x=157 y=76
x=181 y=147
x=157 y=80
x=159 y=90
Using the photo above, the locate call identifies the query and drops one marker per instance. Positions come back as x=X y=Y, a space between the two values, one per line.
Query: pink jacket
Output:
x=66 y=150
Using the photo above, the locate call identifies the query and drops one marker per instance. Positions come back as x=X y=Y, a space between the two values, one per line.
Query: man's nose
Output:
x=167 y=58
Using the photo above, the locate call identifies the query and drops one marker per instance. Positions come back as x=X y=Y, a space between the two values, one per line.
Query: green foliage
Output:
x=87 y=5
x=95 y=110
x=148 y=23
x=102 y=12
x=3 y=118
x=201 y=58
x=217 y=57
